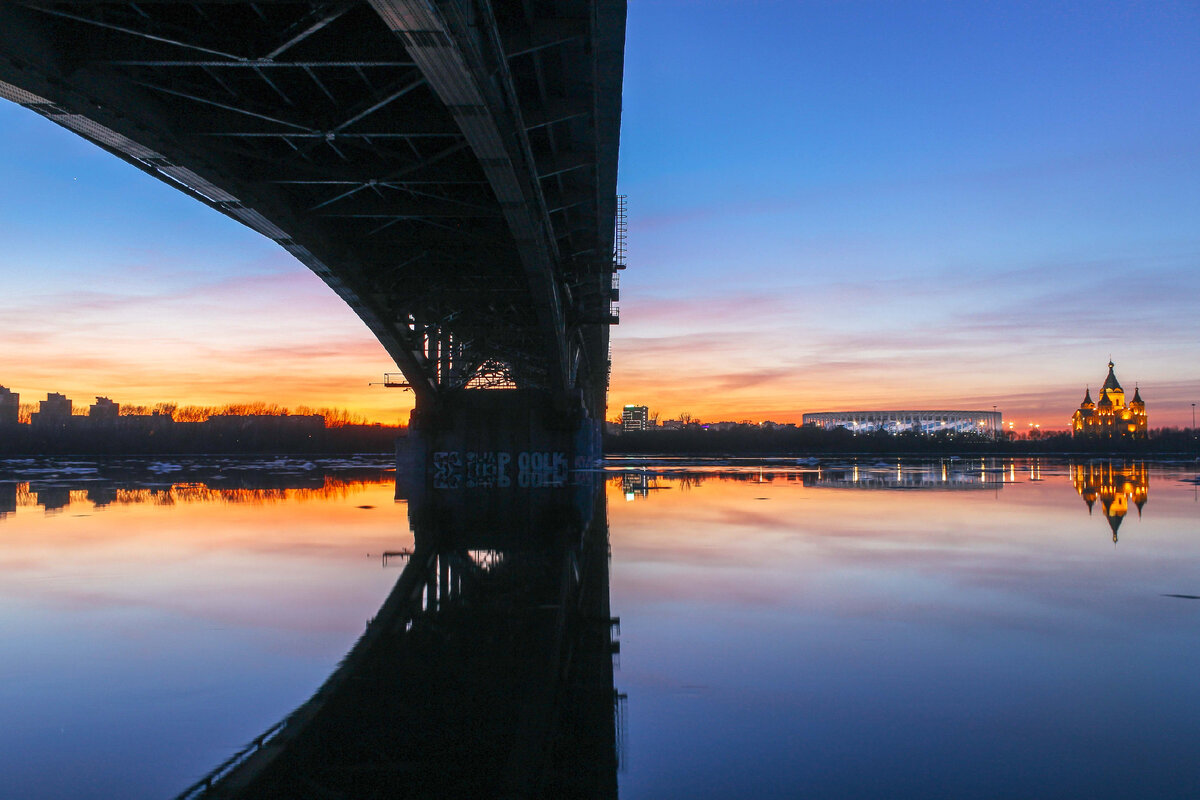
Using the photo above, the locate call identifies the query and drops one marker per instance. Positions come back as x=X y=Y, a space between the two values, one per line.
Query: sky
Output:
x=833 y=205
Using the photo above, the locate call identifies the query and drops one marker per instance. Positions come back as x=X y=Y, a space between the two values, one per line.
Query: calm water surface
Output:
x=827 y=629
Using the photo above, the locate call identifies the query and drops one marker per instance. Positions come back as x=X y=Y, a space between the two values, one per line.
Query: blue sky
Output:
x=933 y=203
x=832 y=204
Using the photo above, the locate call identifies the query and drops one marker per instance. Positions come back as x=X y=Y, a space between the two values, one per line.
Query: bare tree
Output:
x=166 y=409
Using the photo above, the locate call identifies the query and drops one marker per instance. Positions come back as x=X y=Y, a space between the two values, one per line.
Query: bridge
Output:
x=447 y=167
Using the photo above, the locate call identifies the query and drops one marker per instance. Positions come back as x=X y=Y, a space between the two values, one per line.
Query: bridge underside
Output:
x=447 y=167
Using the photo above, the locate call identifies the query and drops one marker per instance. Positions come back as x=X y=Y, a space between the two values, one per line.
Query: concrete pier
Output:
x=497 y=438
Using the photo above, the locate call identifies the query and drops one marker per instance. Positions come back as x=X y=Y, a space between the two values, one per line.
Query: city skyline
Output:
x=849 y=206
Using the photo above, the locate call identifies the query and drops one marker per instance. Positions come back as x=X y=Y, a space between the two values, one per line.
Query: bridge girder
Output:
x=391 y=146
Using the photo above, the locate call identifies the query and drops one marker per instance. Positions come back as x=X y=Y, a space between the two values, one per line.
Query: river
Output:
x=957 y=628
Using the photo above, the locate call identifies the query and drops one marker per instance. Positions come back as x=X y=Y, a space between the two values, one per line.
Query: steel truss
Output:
x=447 y=167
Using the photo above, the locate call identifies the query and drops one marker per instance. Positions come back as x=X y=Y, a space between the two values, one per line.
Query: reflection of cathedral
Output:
x=1116 y=486
x=1110 y=418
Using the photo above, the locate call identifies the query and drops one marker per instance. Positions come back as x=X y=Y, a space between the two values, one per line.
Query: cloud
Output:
x=1026 y=338
x=750 y=379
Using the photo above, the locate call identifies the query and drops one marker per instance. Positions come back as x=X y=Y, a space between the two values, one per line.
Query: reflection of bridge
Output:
x=447 y=167
x=488 y=671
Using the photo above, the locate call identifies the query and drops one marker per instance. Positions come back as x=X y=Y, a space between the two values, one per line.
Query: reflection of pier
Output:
x=937 y=476
x=1115 y=486
x=488 y=671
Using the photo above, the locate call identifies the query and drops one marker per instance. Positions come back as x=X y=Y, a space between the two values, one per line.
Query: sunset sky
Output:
x=832 y=205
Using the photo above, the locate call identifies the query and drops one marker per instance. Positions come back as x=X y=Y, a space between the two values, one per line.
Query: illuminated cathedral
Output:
x=1109 y=417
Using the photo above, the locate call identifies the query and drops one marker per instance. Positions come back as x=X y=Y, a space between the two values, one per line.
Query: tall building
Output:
x=1110 y=417
x=54 y=410
x=10 y=406
x=104 y=410
x=635 y=418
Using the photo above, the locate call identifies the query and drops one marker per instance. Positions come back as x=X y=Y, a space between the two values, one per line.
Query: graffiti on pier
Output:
x=453 y=469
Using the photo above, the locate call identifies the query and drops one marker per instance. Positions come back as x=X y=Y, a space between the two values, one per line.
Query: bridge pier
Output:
x=480 y=438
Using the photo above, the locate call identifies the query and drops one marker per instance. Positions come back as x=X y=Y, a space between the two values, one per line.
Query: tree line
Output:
x=750 y=439
x=334 y=417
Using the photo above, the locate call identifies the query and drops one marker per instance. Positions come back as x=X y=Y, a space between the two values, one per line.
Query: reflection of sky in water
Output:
x=143 y=641
x=788 y=640
x=781 y=636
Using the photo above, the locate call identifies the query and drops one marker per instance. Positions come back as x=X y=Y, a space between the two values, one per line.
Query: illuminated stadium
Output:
x=985 y=423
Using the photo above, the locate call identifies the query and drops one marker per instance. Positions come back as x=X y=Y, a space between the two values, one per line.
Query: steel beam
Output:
x=455 y=69
x=392 y=147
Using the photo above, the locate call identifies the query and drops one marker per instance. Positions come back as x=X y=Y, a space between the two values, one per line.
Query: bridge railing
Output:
x=397 y=609
x=205 y=784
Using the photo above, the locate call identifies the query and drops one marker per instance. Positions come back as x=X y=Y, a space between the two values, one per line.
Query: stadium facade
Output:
x=984 y=423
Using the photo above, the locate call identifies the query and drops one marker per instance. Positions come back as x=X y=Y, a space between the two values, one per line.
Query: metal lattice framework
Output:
x=447 y=167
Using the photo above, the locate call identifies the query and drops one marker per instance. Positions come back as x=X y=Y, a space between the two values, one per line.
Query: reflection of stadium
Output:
x=944 y=475
x=984 y=423
x=1115 y=485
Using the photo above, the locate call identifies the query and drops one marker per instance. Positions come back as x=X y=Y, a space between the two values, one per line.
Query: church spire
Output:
x=1111 y=381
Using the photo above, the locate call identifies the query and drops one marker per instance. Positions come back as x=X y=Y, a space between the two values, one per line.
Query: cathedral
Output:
x=1110 y=418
